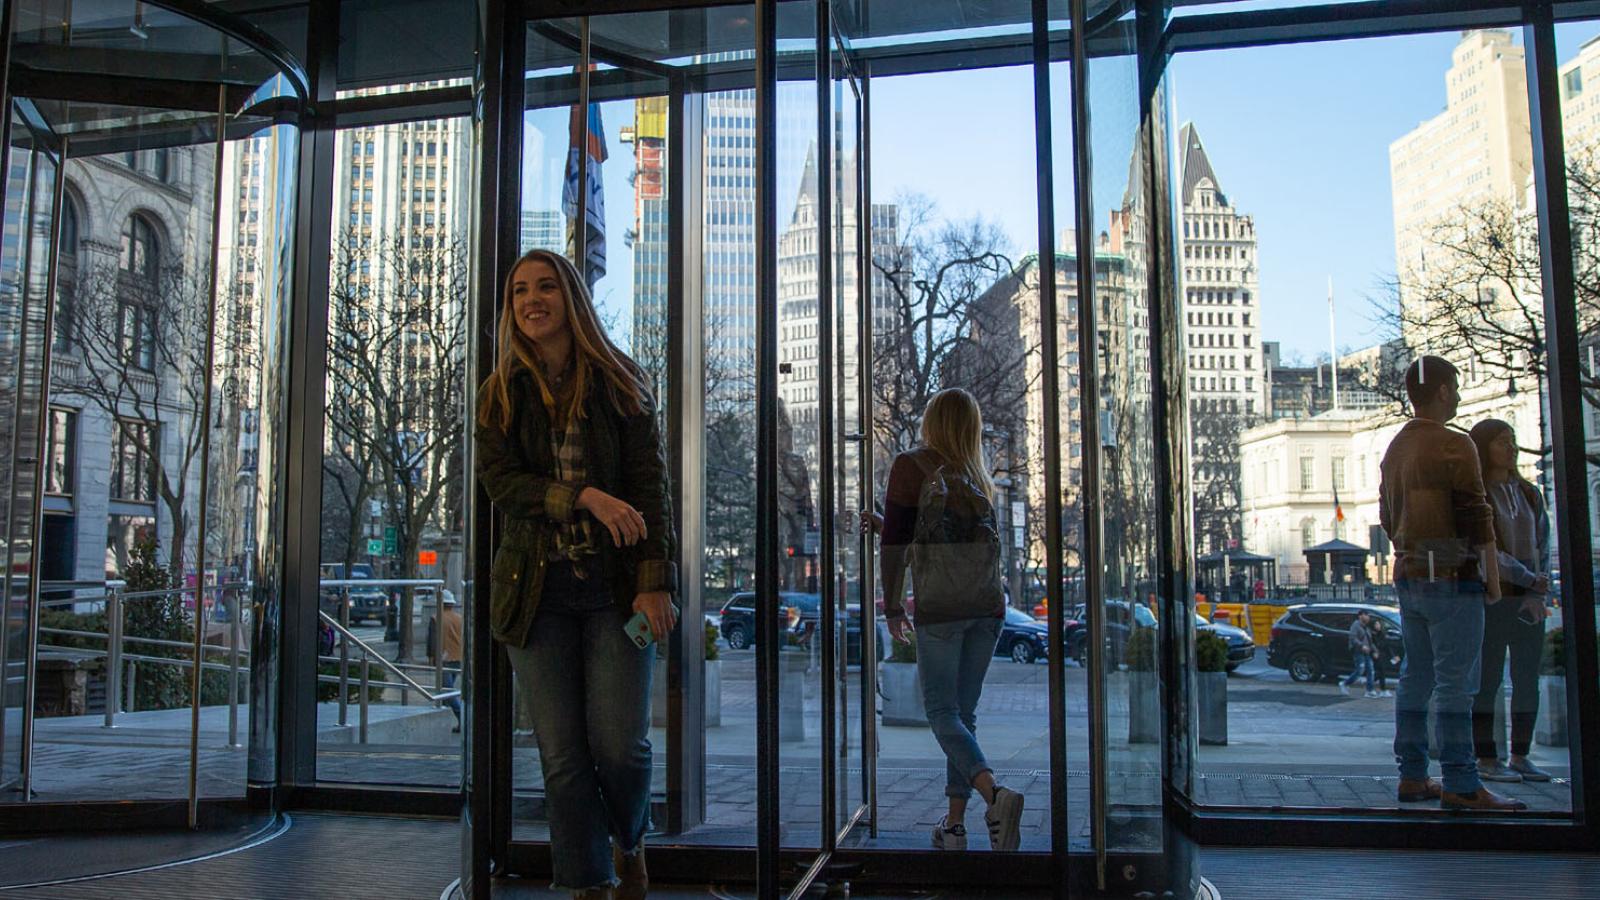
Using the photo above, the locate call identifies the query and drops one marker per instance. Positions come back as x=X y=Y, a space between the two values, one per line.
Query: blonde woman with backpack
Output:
x=939 y=521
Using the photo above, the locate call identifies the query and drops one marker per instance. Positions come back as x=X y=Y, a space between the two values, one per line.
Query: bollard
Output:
x=233 y=668
x=114 y=656
x=366 y=663
x=344 y=657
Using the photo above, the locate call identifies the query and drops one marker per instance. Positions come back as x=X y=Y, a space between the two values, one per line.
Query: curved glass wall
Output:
x=148 y=260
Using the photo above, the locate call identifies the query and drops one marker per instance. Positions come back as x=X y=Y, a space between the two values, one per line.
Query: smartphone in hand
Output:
x=638 y=629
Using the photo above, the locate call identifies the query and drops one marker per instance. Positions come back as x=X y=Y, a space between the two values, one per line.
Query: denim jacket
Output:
x=624 y=458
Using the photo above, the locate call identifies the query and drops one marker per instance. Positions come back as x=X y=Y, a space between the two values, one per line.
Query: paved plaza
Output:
x=1290 y=746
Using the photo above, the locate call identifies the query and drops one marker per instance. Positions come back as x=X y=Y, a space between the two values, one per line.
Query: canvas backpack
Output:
x=955 y=551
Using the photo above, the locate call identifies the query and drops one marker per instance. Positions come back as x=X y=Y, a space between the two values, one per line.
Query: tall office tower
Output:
x=1580 y=101
x=1222 y=326
x=1476 y=149
x=1221 y=302
x=1475 y=155
x=543 y=229
x=649 y=239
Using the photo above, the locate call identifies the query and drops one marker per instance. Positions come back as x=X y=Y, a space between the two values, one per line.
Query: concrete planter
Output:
x=902 y=694
x=1211 y=688
x=791 y=697
x=1550 y=729
x=713 y=693
x=1144 y=707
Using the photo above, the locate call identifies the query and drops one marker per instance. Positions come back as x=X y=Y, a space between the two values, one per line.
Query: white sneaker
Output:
x=1343 y=689
x=1004 y=818
x=1386 y=693
x=951 y=837
x=1372 y=695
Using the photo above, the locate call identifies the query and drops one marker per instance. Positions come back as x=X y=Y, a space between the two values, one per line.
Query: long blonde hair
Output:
x=952 y=426
x=594 y=353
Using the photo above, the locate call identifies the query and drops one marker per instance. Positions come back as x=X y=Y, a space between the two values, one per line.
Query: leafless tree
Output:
x=396 y=383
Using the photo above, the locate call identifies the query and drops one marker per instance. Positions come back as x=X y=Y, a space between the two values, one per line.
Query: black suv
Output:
x=1312 y=640
x=798 y=616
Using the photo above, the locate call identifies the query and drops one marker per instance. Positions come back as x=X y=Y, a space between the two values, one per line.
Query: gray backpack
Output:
x=955 y=552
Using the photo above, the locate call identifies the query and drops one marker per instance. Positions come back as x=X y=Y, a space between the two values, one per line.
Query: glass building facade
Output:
x=251 y=290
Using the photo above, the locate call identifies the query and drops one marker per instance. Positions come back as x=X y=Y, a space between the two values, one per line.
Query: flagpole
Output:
x=1333 y=347
x=580 y=225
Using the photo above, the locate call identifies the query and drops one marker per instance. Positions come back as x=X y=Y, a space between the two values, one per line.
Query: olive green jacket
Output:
x=624 y=458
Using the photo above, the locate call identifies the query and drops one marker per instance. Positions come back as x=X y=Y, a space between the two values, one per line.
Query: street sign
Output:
x=427 y=557
x=391 y=543
x=374 y=547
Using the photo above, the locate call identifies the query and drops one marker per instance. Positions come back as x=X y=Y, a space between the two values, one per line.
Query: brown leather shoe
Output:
x=1412 y=791
x=1481 y=800
x=631 y=869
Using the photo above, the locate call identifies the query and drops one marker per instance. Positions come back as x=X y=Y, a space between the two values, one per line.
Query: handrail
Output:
x=381 y=660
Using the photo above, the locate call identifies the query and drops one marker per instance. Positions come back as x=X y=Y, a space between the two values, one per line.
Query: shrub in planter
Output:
x=1550 y=729
x=904 y=651
x=1211 y=687
x=1140 y=650
x=711 y=634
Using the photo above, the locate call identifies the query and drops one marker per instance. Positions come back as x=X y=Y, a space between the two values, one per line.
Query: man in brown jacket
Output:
x=1431 y=503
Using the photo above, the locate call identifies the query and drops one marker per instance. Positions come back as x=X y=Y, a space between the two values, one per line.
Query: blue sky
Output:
x=1298 y=136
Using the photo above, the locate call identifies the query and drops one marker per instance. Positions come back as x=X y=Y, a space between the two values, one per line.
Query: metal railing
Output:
x=115 y=598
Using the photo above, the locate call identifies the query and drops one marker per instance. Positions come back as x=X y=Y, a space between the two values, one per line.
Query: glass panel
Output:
x=30 y=179
x=849 y=493
x=955 y=302
x=626 y=262
x=392 y=475
x=1298 y=339
x=800 y=674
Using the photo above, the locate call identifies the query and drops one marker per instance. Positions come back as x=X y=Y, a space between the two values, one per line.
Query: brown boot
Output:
x=1481 y=800
x=1412 y=791
x=631 y=869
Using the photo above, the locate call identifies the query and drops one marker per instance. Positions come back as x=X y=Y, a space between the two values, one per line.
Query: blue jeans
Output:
x=952 y=660
x=1361 y=661
x=1442 y=626
x=588 y=688
x=452 y=674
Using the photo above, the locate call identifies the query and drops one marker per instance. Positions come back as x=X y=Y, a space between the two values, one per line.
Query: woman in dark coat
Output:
x=569 y=451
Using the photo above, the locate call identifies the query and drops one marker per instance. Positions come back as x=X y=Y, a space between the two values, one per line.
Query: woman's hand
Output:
x=1541 y=585
x=900 y=629
x=623 y=521
x=871 y=522
x=656 y=606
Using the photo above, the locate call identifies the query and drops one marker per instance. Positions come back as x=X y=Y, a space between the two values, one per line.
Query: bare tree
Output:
x=396 y=371
x=1479 y=295
x=138 y=330
x=938 y=335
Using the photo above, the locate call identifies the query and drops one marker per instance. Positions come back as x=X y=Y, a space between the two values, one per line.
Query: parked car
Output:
x=798 y=622
x=1241 y=647
x=1121 y=619
x=1312 y=640
x=1022 y=638
x=364 y=602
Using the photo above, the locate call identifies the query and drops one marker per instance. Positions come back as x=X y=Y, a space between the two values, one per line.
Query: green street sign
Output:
x=374 y=547
x=391 y=540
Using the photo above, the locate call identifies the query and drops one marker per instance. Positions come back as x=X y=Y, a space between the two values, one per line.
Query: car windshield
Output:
x=1017 y=617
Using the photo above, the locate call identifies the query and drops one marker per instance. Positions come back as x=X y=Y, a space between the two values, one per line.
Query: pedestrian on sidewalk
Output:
x=450 y=646
x=939 y=520
x=1431 y=504
x=1514 y=626
x=569 y=451
x=1363 y=654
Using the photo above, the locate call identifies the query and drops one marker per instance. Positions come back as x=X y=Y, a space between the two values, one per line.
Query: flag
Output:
x=1338 y=510
x=594 y=215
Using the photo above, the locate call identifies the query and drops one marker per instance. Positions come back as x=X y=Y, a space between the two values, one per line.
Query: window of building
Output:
x=1338 y=473
x=1308 y=472
x=61 y=452
x=137 y=283
x=67 y=278
x=133 y=455
x=1308 y=532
